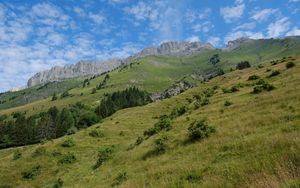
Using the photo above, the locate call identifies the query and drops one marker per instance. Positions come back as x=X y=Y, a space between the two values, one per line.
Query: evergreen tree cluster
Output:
x=17 y=129
x=130 y=97
x=103 y=83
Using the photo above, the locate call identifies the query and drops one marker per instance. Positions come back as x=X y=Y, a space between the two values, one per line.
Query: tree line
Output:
x=18 y=129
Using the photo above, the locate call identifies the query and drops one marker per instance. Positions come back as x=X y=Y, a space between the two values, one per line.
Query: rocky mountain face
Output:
x=85 y=68
x=82 y=68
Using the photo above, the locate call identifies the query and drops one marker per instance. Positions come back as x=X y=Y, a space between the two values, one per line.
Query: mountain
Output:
x=86 y=68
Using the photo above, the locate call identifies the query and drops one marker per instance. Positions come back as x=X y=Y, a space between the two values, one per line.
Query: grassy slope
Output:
x=256 y=144
x=158 y=73
x=36 y=93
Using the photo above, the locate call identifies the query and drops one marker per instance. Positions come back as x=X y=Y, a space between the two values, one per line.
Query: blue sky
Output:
x=36 y=35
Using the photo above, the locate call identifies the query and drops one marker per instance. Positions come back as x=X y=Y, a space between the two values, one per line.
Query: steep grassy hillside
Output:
x=256 y=142
x=152 y=74
x=25 y=96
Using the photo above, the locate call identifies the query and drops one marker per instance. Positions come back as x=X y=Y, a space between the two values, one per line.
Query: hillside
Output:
x=256 y=142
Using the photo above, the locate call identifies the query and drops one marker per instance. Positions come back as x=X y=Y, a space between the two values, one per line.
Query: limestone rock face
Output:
x=85 y=68
x=82 y=68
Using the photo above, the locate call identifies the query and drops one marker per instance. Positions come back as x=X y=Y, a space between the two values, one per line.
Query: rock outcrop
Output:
x=82 y=68
x=85 y=68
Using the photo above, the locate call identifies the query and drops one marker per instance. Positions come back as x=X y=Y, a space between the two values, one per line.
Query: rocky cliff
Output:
x=85 y=68
x=82 y=68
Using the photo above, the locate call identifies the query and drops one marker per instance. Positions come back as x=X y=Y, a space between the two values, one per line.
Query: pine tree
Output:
x=54 y=97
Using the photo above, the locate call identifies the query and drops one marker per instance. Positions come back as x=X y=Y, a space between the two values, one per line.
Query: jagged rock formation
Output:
x=172 y=91
x=82 y=68
x=172 y=49
x=85 y=68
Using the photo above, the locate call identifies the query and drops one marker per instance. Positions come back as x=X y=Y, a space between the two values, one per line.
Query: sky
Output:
x=37 y=35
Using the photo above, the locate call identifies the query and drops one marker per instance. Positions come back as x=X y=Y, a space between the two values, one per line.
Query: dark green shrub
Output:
x=86 y=119
x=65 y=94
x=59 y=183
x=243 y=65
x=104 y=154
x=225 y=90
x=176 y=112
x=17 y=154
x=96 y=134
x=260 y=82
x=160 y=146
x=164 y=123
x=199 y=130
x=209 y=92
x=54 y=97
x=68 y=143
x=274 y=73
x=39 y=151
x=68 y=158
x=258 y=89
x=150 y=132
x=227 y=103
x=139 y=140
x=205 y=101
x=122 y=176
x=261 y=86
x=290 y=65
x=72 y=130
x=260 y=66
x=32 y=173
x=268 y=87
x=234 y=88
x=94 y=90
x=253 y=77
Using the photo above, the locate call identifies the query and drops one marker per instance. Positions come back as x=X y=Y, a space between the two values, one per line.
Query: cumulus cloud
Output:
x=239 y=34
x=233 y=13
x=195 y=15
x=294 y=32
x=278 y=27
x=245 y=26
x=193 y=39
x=143 y=11
x=263 y=15
x=215 y=41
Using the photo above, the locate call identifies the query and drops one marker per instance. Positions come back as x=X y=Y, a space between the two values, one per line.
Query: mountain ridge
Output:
x=90 y=68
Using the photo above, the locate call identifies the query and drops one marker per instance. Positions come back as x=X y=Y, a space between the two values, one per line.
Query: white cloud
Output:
x=294 y=32
x=55 y=39
x=193 y=39
x=279 y=27
x=293 y=1
x=142 y=11
x=263 y=15
x=195 y=15
x=215 y=41
x=79 y=11
x=96 y=18
x=239 y=34
x=245 y=26
x=49 y=14
x=231 y=14
x=202 y=27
